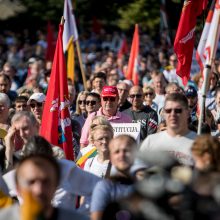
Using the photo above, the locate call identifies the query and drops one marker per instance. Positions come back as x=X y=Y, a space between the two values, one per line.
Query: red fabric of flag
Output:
x=132 y=72
x=56 y=122
x=185 y=37
x=50 y=42
x=123 y=48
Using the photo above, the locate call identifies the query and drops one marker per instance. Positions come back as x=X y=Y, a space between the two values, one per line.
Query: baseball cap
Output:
x=38 y=97
x=109 y=91
x=191 y=92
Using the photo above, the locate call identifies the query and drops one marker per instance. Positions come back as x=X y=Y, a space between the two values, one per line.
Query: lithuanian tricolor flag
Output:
x=70 y=34
x=85 y=157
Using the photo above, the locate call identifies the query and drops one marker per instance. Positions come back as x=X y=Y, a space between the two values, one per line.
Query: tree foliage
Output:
x=144 y=12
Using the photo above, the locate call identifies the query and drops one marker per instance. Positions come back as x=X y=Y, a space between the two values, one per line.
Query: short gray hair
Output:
x=18 y=115
x=4 y=98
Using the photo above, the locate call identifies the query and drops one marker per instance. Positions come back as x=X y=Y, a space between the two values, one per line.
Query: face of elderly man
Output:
x=25 y=129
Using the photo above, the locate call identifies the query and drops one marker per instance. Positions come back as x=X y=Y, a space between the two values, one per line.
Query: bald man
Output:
x=141 y=113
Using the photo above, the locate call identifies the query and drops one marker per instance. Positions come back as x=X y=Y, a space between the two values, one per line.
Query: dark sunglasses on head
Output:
x=148 y=93
x=111 y=99
x=135 y=95
x=90 y=102
x=176 y=110
x=38 y=104
x=82 y=102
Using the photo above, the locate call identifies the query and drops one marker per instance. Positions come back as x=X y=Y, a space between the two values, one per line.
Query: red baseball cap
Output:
x=109 y=91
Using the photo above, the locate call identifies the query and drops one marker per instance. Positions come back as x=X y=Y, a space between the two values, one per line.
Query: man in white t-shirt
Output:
x=177 y=139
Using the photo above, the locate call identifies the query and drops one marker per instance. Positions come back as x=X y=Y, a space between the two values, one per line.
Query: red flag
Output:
x=201 y=47
x=50 y=42
x=56 y=122
x=185 y=37
x=123 y=49
x=96 y=25
x=132 y=72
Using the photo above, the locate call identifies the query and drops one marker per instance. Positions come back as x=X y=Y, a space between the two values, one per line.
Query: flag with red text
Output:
x=213 y=36
x=200 y=53
x=185 y=37
x=56 y=123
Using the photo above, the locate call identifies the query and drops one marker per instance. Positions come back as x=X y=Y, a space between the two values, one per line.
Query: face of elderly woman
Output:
x=101 y=140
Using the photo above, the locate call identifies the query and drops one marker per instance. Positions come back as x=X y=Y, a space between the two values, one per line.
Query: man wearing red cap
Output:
x=109 y=109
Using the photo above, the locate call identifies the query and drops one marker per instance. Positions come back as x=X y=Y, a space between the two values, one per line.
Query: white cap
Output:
x=37 y=96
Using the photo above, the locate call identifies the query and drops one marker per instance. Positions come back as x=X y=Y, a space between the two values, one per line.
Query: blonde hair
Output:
x=107 y=128
x=99 y=120
x=78 y=110
x=149 y=88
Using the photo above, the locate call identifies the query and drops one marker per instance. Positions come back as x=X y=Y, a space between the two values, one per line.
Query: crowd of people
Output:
x=165 y=172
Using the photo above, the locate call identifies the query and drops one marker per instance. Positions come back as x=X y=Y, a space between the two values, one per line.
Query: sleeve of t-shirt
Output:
x=101 y=196
x=81 y=182
x=152 y=123
x=85 y=130
x=145 y=144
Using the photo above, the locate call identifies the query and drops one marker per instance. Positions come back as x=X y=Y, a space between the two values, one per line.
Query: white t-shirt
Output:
x=159 y=100
x=74 y=181
x=179 y=147
x=93 y=166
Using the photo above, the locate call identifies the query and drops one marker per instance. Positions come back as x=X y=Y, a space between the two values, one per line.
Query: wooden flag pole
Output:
x=62 y=20
x=81 y=64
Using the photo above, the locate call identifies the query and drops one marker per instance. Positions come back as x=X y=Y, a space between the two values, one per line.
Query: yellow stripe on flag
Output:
x=84 y=157
x=5 y=200
x=30 y=208
x=70 y=59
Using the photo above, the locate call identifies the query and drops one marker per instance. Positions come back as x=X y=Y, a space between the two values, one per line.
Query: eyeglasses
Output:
x=176 y=110
x=38 y=104
x=135 y=95
x=110 y=99
x=82 y=102
x=100 y=140
x=90 y=102
x=149 y=93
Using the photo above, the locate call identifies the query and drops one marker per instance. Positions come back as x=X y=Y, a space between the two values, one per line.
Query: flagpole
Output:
x=62 y=20
x=202 y=103
x=81 y=64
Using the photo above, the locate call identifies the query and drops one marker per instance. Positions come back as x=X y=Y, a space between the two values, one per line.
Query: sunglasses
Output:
x=176 y=110
x=82 y=102
x=38 y=104
x=148 y=93
x=90 y=102
x=135 y=95
x=111 y=99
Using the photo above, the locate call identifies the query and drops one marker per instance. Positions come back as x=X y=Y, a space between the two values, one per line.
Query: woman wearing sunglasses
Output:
x=93 y=102
x=80 y=114
x=149 y=95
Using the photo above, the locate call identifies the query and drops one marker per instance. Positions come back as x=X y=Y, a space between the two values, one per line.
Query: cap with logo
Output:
x=109 y=91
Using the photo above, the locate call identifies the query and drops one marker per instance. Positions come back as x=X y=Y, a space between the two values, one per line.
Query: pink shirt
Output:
x=118 y=118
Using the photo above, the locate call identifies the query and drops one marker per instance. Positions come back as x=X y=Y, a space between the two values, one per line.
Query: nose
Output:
x=38 y=188
x=21 y=132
